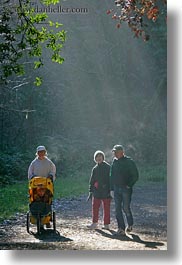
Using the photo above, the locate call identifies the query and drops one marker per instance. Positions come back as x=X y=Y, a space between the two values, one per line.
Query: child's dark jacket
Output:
x=99 y=183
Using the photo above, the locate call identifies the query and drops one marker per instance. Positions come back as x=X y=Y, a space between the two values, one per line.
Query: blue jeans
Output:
x=122 y=198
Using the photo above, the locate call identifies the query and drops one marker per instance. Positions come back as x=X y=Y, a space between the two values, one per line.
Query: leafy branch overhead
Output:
x=137 y=14
x=25 y=32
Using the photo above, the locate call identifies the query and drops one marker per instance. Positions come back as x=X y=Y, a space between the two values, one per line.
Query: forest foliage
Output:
x=24 y=34
x=137 y=14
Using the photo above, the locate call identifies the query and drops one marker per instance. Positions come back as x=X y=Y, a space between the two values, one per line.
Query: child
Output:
x=99 y=190
x=43 y=198
x=42 y=195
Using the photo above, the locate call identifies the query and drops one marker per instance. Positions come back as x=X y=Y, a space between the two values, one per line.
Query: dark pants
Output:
x=122 y=198
x=96 y=203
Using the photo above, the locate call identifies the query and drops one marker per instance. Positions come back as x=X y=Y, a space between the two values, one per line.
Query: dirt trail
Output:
x=74 y=214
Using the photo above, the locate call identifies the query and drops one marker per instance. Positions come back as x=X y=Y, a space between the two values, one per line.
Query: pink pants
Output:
x=106 y=210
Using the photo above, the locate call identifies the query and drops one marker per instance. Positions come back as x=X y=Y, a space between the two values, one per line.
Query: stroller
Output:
x=40 y=203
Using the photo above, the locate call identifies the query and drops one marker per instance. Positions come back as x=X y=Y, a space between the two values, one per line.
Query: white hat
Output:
x=41 y=148
x=98 y=152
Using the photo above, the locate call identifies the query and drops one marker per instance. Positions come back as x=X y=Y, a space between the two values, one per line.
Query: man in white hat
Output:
x=42 y=165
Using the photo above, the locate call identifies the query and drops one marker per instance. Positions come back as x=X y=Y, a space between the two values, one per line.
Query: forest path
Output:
x=149 y=206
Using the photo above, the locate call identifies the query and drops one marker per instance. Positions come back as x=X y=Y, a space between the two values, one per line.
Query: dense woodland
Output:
x=110 y=89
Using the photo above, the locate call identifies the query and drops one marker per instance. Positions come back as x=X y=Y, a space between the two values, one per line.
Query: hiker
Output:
x=99 y=190
x=42 y=165
x=124 y=174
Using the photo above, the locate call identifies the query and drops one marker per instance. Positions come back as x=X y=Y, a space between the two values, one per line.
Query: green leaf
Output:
x=51 y=24
x=37 y=64
x=38 y=81
x=57 y=58
x=58 y=24
x=49 y=2
x=19 y=69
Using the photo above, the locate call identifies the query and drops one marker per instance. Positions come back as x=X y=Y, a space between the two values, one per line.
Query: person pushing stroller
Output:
x=44 y=167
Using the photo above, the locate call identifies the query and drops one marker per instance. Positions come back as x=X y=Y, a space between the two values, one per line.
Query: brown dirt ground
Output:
x=149 y=206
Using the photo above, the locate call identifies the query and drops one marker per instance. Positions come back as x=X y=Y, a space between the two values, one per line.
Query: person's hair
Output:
x=98 y=152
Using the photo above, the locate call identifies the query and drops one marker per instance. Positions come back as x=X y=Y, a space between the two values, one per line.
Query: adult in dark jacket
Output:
x=124 y=174
x=99 y=190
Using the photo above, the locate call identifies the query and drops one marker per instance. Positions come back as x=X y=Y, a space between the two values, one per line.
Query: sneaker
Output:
x=129 y=229
x=93 y=226
x=120 y=232
x=48 y=225
x=106 y=227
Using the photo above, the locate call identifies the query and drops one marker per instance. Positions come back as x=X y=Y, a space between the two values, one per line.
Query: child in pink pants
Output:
x=99 y=190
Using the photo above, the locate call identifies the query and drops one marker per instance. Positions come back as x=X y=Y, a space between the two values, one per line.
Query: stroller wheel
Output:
x=28 y=222
x=54 y=220
x=38 y=224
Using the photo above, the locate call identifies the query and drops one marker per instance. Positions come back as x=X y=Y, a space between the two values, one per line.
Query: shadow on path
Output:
x=50 y=236
x=130 y=237
x=46 y=241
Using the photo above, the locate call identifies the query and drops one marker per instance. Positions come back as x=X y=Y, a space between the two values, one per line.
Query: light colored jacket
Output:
x=42 y=168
